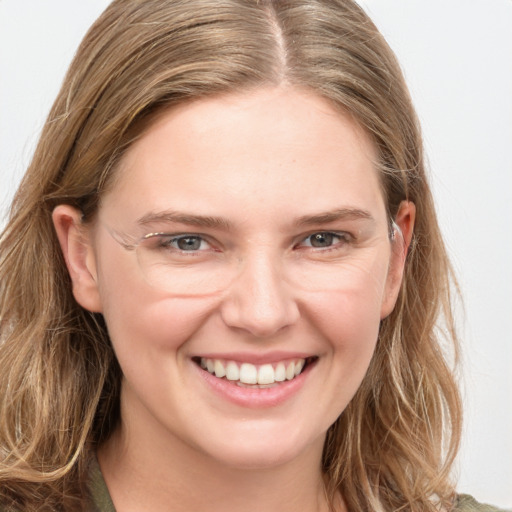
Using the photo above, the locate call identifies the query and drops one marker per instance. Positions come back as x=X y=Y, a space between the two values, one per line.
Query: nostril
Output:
x=262 y=319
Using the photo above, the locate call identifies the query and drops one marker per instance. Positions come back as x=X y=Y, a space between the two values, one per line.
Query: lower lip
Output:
x=256 y=398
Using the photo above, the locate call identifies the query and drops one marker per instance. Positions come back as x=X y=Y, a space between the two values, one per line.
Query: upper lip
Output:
x=255 y=357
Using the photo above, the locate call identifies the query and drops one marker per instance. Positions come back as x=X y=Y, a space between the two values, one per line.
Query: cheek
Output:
x=349 y=319
x=143 y=322
x=351 y=308
x=149 y=338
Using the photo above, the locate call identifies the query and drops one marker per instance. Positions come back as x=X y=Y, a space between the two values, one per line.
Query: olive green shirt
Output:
x=103 y=503
x=100 y=500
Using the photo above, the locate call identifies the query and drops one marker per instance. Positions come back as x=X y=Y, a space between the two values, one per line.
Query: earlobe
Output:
x=79 y=256
x=403 y=227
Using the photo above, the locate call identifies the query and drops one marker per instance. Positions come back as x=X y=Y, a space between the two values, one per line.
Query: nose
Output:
x=259 y=300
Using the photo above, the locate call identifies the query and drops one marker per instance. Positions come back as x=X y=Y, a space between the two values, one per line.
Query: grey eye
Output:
x=321 y=239
x=188 y=243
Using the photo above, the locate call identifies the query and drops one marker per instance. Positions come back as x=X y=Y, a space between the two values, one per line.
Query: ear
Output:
x=75 y=242
x=403 y=227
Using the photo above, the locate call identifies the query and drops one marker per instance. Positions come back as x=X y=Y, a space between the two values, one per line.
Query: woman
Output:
x=223 y=273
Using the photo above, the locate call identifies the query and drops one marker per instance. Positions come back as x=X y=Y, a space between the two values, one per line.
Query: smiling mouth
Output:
x=254 y=376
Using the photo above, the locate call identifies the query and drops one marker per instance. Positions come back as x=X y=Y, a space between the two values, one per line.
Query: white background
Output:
x=457 y=58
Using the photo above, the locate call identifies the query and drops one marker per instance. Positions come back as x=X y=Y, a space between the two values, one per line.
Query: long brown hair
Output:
x=393 y=447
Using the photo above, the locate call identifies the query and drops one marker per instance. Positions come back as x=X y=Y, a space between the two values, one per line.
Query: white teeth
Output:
x=266 y=374
x=232 y=371
x=219 y=369
x=247 y=373
x=280 y=373
x=290 y=371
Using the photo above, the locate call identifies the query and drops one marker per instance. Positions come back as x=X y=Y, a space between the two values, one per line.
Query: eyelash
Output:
x=344 y=238
x=168 y=241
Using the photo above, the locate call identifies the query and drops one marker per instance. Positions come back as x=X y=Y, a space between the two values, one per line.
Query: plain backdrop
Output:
x=457 y=59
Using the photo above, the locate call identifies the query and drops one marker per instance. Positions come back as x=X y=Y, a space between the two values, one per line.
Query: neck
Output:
x=151 y=475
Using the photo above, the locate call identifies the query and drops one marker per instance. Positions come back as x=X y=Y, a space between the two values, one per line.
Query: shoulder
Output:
x=466 y=503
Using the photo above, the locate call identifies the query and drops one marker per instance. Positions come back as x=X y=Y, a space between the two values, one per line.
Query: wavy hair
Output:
x=393 y=446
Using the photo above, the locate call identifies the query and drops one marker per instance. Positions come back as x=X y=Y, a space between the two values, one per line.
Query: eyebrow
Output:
x=208 y=221
x=335 y=215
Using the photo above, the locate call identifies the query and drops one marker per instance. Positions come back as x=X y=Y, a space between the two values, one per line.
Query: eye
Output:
x=184 y=243
x=189 y=243
x=325 y=239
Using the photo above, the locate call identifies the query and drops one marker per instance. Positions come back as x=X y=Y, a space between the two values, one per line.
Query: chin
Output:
x=264 y=448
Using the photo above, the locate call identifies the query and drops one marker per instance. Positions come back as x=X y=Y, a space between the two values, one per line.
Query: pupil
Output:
x=321 y=240
x=189 y=243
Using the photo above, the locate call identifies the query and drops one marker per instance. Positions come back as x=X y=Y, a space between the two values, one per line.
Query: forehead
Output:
x=284 y=150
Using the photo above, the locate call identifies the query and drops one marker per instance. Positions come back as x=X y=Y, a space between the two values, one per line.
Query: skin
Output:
x=267 y=163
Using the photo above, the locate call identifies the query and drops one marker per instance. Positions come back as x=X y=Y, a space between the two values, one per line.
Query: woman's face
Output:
x=276 y=256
